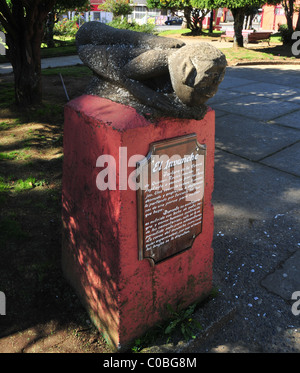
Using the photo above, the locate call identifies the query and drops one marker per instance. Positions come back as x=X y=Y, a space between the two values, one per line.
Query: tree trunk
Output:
x=238 y=15
x=246 y=23
x=49 y=29
x=24 y=22
x=298 y=22
x=24 y=55
x=289 y=12
x=187 y=11
x=251 y=21
x=196 y=27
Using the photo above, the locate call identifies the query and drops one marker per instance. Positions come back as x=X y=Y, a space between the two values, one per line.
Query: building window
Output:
x=279 y=11
x=139 y=12
x=154 y=12
x=97 y=16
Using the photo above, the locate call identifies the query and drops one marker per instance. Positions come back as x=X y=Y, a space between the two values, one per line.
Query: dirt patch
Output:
x=43 y=314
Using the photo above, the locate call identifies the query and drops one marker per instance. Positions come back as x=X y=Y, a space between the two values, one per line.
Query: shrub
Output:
x=66 y=27
x=116 y=7
x=286 y=34
x=124 y=24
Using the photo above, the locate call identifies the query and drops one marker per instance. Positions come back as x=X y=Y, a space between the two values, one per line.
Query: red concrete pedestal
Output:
x=125 y=296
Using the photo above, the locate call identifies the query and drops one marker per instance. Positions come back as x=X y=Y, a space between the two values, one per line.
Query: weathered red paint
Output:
x=125 y=296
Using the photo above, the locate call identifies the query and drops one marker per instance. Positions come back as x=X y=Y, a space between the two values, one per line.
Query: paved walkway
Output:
x=257 y=215
x=6 y=68
x=257 y=210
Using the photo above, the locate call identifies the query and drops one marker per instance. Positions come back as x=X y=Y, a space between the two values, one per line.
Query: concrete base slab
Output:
x=287 y=75
x=290 y=120
x=223 y=95
x=259 y=108
x=270 y=90
x=295 y=98
x=247 y=185
x=230 y=82
x=287 y=160
x=285 y=280
x=252 y=139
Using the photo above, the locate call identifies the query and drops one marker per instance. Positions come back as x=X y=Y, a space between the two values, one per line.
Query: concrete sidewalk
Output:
x=257 y=207
x=257 y=215
x=6 y=68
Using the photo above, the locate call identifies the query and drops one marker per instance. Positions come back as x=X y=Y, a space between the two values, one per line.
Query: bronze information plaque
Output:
x=170 y=197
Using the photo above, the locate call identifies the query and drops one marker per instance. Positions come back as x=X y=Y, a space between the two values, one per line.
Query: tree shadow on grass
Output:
x=274 y=50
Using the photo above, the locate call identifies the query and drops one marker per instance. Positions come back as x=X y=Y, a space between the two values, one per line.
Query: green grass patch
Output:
x=15 y=154
x=245 y=54
x=262 y=54
x=4 y=186
x=8 y=156
x=45 y=112
x=68 y=50
x=73 y=71
x=19 y=185
x=7 y=94
x=62 y=48
x=10 y=229
x=4 y=125
x=188 y=32
x=133 y=26
x=22 y=185
x=175 y=32
x=276 y=38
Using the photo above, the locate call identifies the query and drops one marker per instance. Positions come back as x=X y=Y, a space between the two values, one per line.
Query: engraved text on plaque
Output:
x=170 y=197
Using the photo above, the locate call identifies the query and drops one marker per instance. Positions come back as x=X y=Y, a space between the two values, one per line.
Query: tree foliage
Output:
x=194 y=10
x=117 y=7
x=60 y=7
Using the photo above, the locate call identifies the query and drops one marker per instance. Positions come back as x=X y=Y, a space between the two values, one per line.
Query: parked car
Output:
x=174 y=21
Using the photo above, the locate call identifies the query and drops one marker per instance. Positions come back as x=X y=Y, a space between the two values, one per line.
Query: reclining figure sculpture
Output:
x=155 y=75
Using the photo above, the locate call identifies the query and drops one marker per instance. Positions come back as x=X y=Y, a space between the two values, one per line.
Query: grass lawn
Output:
x=254 y=52
x=262 y=53
x=63 y=47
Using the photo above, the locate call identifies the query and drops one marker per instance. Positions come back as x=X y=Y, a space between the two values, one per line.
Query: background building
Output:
x=269 y=18
x=274 y=16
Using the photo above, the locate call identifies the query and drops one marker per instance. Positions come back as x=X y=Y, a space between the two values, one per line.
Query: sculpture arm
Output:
x=147 y=65
x=149 y=97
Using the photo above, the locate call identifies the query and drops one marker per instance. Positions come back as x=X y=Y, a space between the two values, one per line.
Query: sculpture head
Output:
x=196 y=72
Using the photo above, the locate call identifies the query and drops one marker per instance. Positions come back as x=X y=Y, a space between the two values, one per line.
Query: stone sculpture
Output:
x=155 y=75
